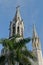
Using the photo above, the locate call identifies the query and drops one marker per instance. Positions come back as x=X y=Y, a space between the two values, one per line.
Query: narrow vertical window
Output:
x=18 y=29
x=22 y=31
x=13 y=29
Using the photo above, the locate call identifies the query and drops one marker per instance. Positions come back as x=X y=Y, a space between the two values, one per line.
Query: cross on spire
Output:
x=17 y=7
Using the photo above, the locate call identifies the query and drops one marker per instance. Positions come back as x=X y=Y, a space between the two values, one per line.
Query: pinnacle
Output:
x=34 y=31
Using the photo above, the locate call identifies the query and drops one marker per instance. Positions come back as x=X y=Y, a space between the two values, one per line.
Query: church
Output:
x=17 y=27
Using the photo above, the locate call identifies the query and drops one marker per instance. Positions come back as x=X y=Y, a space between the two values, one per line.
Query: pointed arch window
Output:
x=35 y=45
x=22 y=31
x=18 y=29
x=13 y=29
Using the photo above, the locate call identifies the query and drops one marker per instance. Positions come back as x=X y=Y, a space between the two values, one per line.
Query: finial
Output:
x=17 y=7
x=34 y=31
x=34 y=27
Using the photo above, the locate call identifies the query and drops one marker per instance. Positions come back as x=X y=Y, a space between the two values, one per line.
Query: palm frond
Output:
x=21 y=42
x=2 y=59
x=21 y=58
x=29 y=54
x=15 y=50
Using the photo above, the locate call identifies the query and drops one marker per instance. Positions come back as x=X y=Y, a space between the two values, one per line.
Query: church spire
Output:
x=34 y=31
x=35 y=40
x=17 y=25
x=17 y=15
x=36 y=45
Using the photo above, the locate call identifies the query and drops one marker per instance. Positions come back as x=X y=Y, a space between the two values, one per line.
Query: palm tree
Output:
x=16 y=51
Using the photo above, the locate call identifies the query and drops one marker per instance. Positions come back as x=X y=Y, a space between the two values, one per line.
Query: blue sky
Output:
x=31 y=12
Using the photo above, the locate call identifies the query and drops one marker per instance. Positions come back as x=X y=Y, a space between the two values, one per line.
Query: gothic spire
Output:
x=17 y=15
x=34 y=31
x=17 y=26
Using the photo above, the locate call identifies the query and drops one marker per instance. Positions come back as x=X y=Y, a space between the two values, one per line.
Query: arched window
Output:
x=22 y=31
x=18 y=29
x=13 y=29
x=35 y=45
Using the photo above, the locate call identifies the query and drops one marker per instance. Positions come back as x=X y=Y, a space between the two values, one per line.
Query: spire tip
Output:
x=17 y=6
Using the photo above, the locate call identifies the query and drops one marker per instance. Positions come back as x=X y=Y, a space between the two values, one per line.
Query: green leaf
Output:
x=21 y=42
x=2 y=59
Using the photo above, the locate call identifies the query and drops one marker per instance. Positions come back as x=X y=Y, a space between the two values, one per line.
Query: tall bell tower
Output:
x=36 y=46
x=16 y=25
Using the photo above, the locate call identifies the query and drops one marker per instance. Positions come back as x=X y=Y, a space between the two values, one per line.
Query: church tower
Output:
x=16 y=25
x=36 y=46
